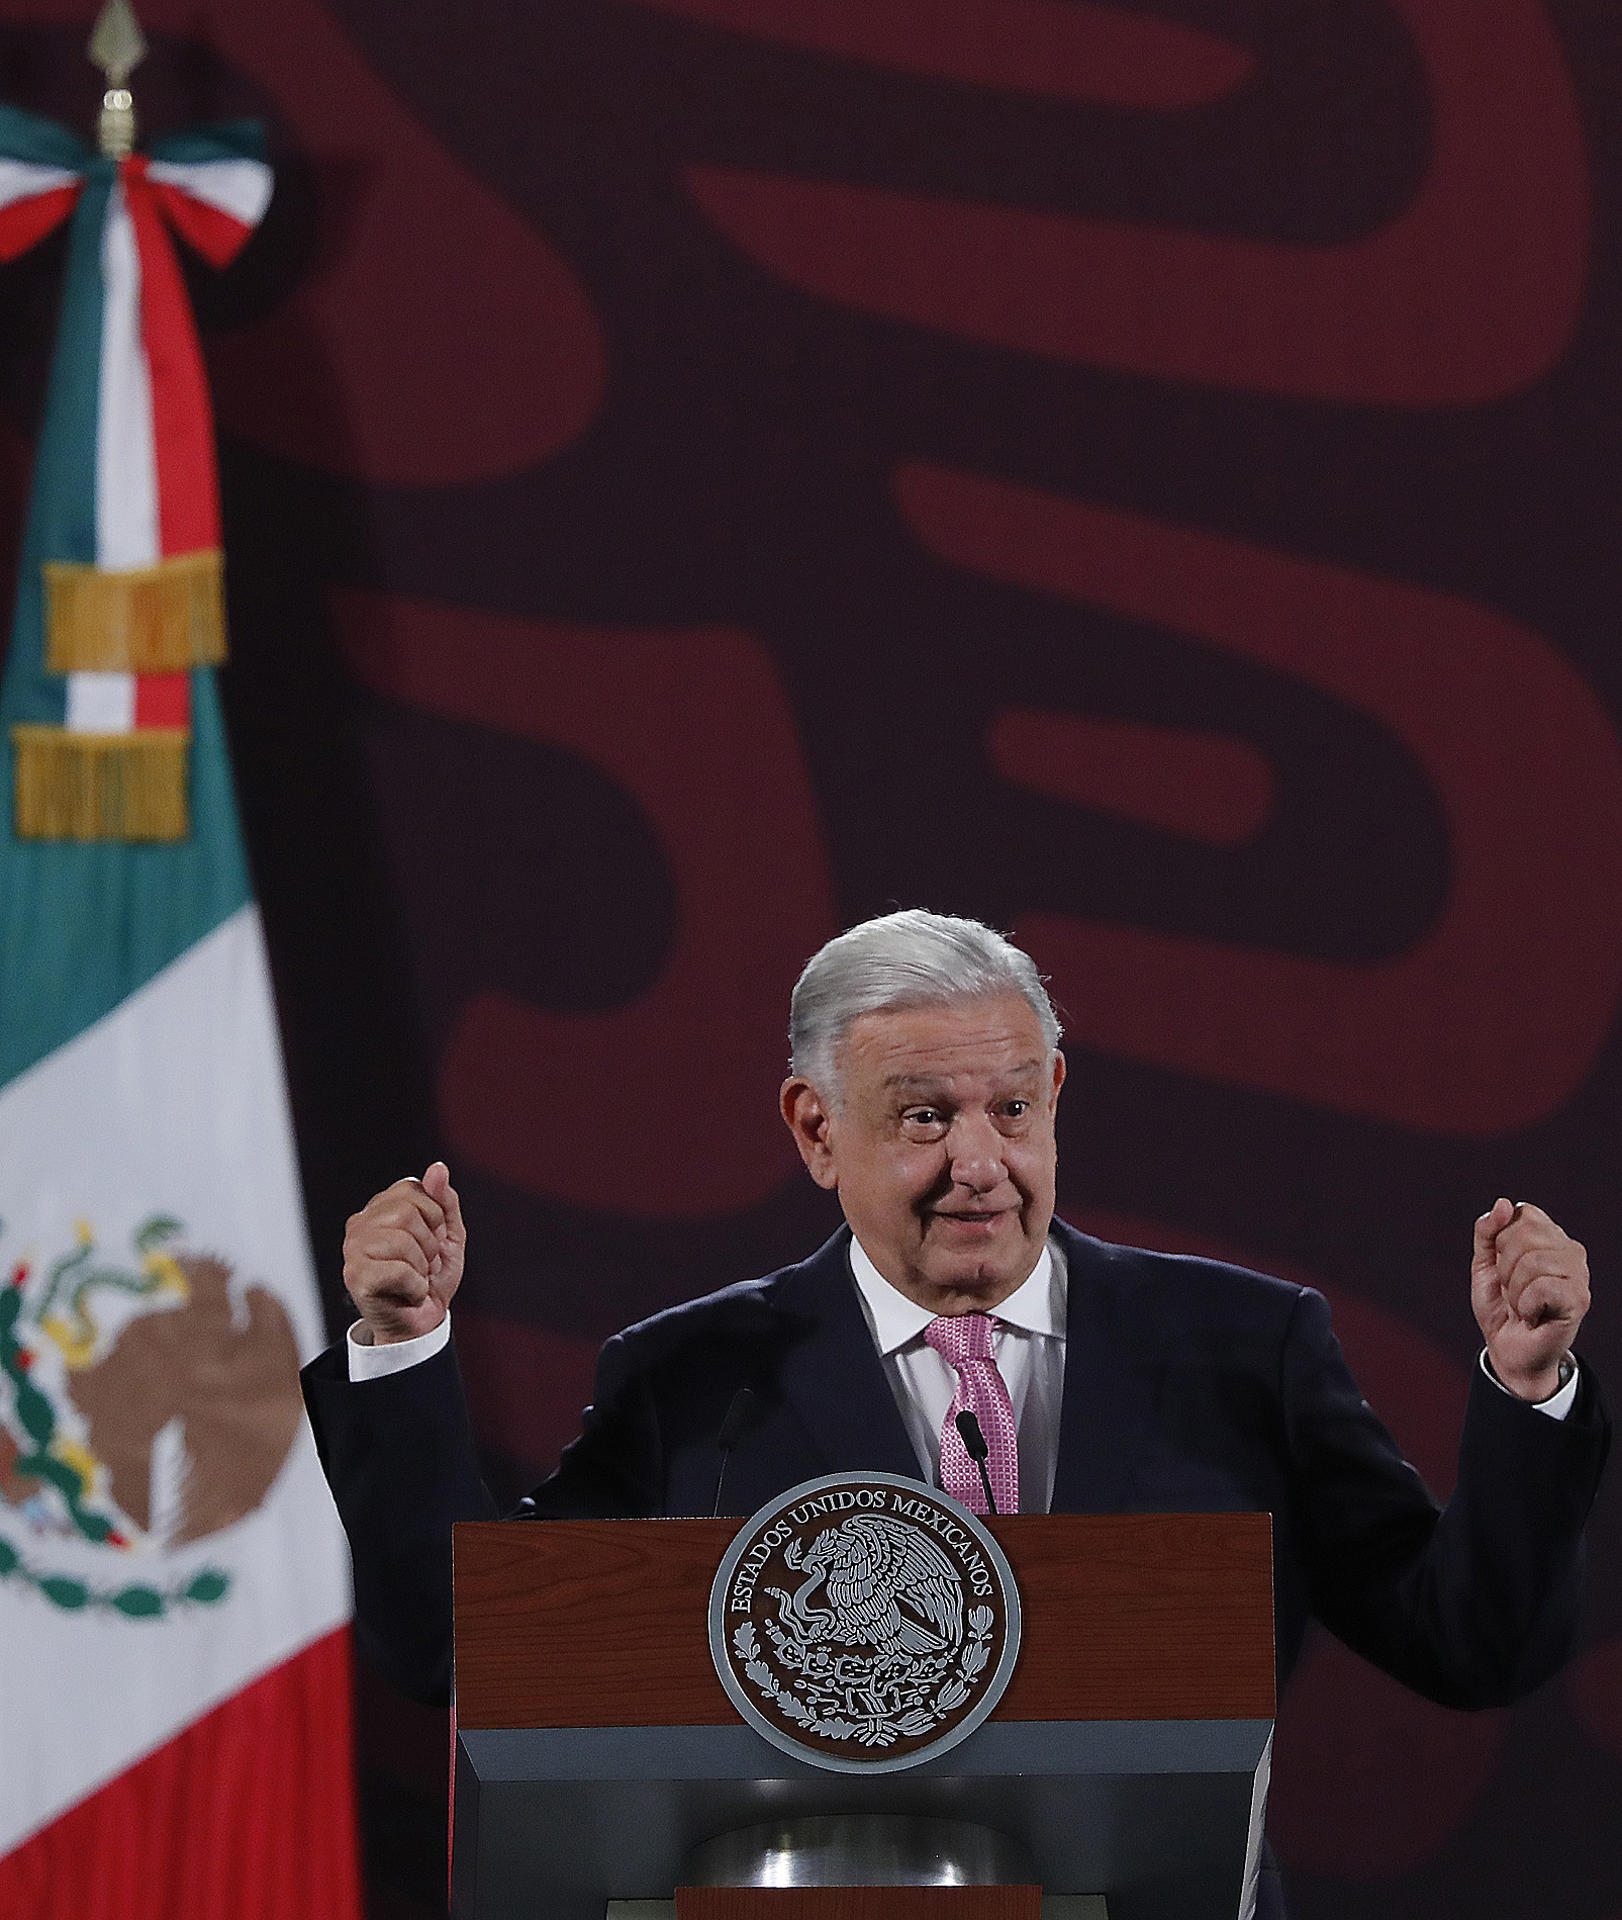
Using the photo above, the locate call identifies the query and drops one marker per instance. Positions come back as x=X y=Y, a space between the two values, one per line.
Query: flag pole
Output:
x=117 y=46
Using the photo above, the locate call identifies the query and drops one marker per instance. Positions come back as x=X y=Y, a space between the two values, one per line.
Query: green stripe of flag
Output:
x=42 y=143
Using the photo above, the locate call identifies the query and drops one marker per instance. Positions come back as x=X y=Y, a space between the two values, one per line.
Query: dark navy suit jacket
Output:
x=1189 y=1386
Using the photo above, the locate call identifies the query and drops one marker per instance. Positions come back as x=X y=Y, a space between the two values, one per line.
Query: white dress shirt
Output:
x=1027 y=1342
x=368 y=1362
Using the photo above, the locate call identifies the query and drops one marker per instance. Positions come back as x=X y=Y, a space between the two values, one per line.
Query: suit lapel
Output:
x=1104 y=1409
x=832 y=1374
x=834 y=1380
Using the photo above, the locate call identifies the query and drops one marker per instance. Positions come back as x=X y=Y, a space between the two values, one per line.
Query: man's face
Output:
x=939 y=1142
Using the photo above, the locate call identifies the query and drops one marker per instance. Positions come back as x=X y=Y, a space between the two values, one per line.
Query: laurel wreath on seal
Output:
x=876 y=1731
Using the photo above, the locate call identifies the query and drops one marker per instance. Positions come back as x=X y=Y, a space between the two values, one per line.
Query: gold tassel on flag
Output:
x=160 y=619
x=100 y=786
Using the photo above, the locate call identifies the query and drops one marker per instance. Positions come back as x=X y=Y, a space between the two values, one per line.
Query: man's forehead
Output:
x=995 y=1034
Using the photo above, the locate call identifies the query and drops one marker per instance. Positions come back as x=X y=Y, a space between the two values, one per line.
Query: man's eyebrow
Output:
x=935 y=1080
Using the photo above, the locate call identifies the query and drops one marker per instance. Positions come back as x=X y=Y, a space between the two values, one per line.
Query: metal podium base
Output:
x=1055 y=1906
x=860 y=1850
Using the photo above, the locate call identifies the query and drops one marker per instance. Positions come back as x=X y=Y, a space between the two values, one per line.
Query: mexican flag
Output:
x=174 y=1687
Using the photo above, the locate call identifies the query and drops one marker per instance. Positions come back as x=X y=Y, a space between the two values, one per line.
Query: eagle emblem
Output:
x=864 y=1621
x=145 y=1405
x=889 y=1588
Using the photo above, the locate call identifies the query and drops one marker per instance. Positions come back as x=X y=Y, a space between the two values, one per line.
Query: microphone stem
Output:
x=740 y=1410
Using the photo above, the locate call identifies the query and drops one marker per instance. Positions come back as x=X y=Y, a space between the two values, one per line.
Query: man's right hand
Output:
x=403 y=1257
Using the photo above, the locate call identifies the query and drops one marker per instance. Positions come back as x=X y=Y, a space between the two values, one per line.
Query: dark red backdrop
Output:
x=699 y=472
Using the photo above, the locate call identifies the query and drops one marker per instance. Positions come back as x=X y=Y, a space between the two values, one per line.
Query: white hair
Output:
x=908 y=959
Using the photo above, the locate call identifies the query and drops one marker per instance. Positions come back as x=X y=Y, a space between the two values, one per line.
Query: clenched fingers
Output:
x=374 y=1245
x=410 y=1195
x=1546 y=1280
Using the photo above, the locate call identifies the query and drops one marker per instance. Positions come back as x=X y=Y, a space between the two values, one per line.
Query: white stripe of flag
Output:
x=126 y=459
x=240 y=188
x=24 y=179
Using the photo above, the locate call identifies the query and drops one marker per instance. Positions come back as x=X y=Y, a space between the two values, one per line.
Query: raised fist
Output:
x=1529 y=1287
x=403 y=1257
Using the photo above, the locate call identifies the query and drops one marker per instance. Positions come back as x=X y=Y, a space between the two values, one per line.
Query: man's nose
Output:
x=975 y=1148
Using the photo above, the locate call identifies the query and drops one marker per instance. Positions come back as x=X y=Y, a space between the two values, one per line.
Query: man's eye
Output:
x=924 y=1118
x=1016 y=1109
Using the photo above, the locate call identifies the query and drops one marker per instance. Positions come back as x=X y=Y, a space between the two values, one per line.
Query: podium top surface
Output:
x=601 y=1623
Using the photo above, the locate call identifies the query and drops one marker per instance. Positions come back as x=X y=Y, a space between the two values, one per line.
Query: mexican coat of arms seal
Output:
x=864 y=1622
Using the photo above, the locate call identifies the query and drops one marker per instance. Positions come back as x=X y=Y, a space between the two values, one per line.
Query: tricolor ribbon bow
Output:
x=119 y=591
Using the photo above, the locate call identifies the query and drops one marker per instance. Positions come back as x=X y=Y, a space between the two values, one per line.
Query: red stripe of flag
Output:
x=249 y=1813
x=217 y=235
x=25 y=221
x=163 y=700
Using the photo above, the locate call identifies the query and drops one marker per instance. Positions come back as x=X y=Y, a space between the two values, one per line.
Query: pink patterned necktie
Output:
x=963 y=1341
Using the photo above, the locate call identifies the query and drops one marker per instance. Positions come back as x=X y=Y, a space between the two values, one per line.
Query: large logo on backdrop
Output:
x=864 y=1622
x=144 y=1407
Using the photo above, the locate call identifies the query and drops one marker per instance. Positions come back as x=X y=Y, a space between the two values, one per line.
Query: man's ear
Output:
x=809 y=1121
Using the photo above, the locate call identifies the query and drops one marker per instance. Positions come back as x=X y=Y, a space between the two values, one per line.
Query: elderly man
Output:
x=924 y=1082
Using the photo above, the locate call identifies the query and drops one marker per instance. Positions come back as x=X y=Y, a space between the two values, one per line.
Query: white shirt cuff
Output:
x=1558 y=1404
x=376 y=1363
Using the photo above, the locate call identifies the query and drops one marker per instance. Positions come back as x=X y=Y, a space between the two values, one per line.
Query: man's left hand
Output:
x=1529 y=1287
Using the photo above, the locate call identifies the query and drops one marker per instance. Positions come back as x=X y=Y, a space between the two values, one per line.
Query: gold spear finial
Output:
x=117 y=46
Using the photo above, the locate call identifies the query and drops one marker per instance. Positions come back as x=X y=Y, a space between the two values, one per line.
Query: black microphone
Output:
x=975 y=1441
x=740 y=1411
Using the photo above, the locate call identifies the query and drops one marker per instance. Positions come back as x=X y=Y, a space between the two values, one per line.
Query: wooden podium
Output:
x=595 y=1748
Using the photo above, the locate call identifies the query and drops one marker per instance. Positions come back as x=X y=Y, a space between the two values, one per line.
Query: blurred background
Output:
x=700 y=472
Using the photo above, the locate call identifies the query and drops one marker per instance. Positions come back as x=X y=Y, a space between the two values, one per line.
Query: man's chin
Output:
x=970 y=1285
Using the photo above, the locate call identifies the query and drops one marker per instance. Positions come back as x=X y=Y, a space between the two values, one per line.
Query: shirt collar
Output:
x=1037 y=1305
